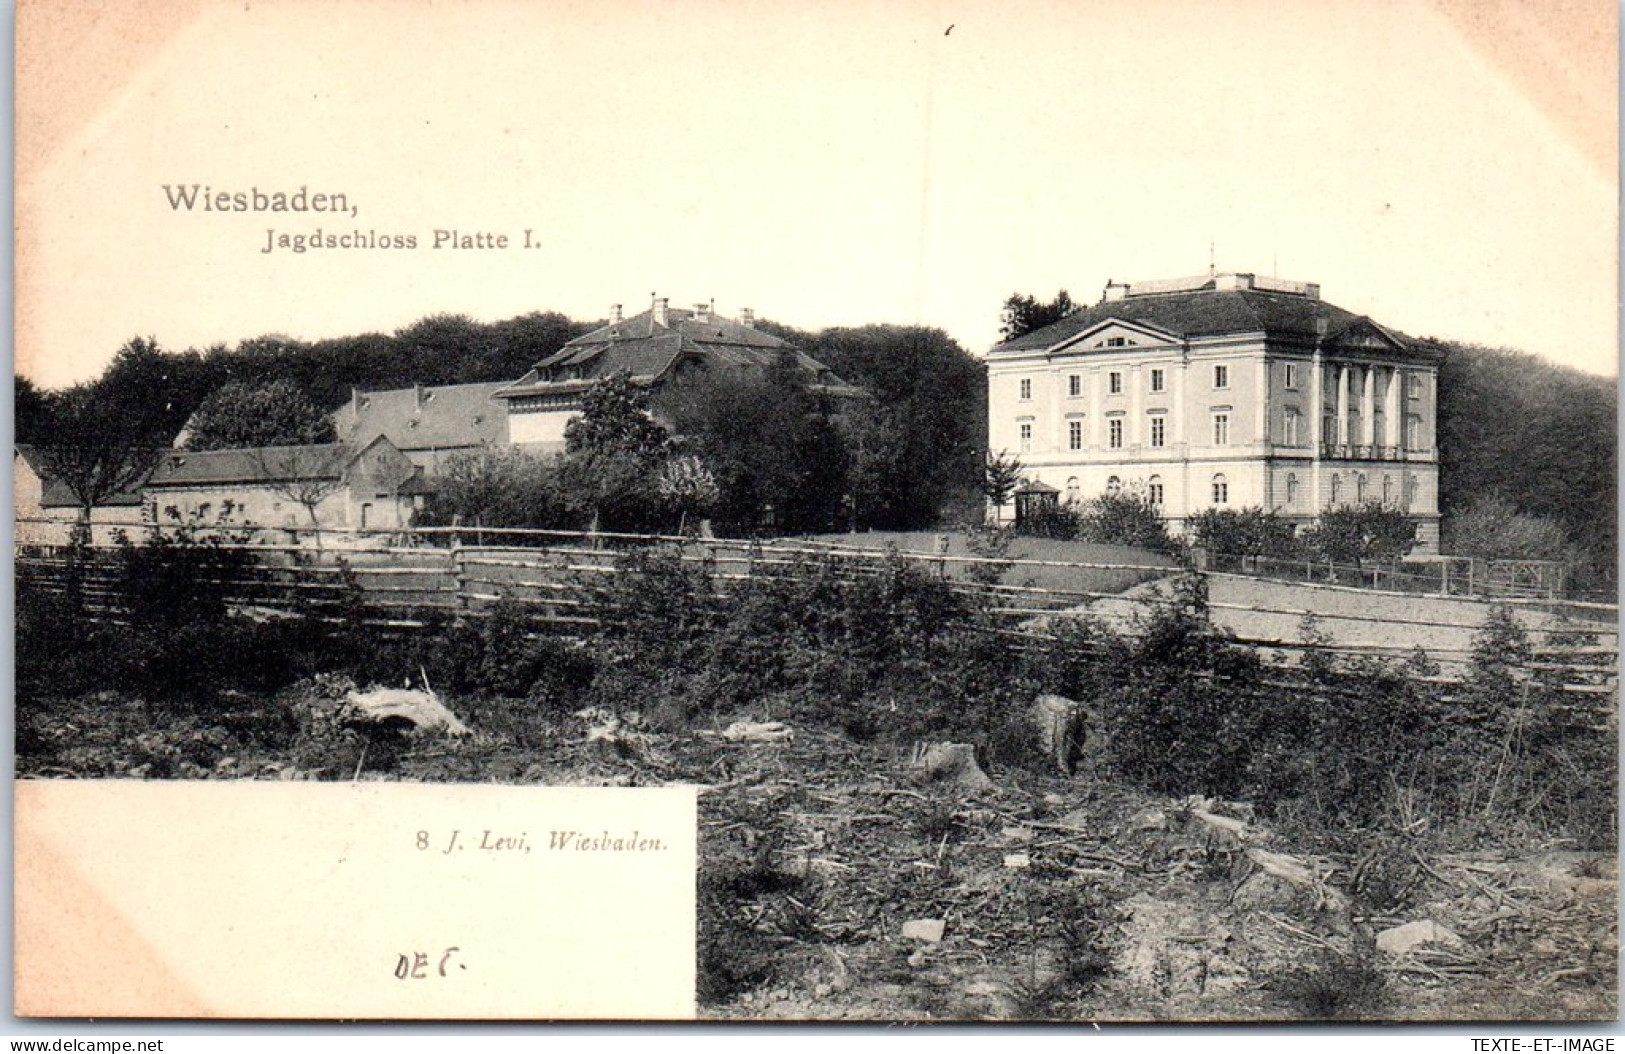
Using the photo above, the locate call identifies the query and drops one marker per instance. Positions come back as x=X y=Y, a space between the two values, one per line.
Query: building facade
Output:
x=1223 y=391
x=653 y=349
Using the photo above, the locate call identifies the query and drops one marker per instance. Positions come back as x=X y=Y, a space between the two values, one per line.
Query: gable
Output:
x=1363 y=334
x=1115 y=334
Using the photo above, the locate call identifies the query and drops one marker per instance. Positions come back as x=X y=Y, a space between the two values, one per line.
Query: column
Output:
x=1368 y=405
x=1393 y=413
x=1342 y=405
x=1317 y=428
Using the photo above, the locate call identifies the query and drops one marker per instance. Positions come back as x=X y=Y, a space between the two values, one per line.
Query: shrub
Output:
x=1243 y=532
x=1124 y=518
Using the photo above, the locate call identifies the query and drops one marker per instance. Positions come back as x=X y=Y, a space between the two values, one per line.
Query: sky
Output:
x=823 y=164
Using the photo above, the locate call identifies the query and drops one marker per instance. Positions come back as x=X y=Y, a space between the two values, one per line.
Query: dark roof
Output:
x=647 y=350
x=185 y=468
x=55 y=494
x=1207 y=312
x=419 y=418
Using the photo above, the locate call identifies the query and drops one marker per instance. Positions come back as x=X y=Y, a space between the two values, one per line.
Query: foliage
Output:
x=915 y=444
x=1024 y=313
x=1542 y=437
x=275 y=413
x=1050 y=520
x=614 y=452
x=688 y=486
x=1126 y=517
x=771 y=444
x=497 y=488
x=1351 y=534
x=1490 y=527
x=1243 y=532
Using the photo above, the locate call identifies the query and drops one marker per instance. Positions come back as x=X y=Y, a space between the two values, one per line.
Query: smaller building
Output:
x=653 y=349
x=45 y=509
x=326 y=485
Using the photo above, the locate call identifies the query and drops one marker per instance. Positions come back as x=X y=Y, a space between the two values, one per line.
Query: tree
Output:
x=1001 y=475
x=689 y=487
x=498 y=488
x=1123 y=518
x=241 y=414
x=305 y=475
x=1353 y=534
x=1243 y=532
x=31 y=411
x=771 y=443
x=100 y=438
x=613 y=456
x=1024 y=313
x=1490 y=527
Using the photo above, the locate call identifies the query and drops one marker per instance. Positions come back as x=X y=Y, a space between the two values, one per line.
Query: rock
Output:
x=1018 y=860
x=423 y=710
x=928 y=930
x=951 y=764
x=1401 y=940
x=758 y=732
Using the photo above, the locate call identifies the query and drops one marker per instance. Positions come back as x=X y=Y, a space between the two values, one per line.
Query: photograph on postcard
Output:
x=934 y=511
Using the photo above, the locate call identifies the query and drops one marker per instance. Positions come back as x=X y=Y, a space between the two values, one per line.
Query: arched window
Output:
x=1412 y=486
x=1221 y=490
x=1153 y=491
x=1387 y=489
x=1114 y=485
x=1337 y=489
x=1072 y=490
x=1291 y=488
x=1359 y=488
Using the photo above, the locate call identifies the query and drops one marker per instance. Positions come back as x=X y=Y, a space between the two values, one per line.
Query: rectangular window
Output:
x=1154 y=492
x=1221 y=429
x=1026 y=435
x=1114 y=433
x=1158 y=429
x=1221 y=376
x=1114 y=382
x=1026 y=388
x=1074 y=435
x=1291 y=371
x=1074 y=386
x=1156 y=380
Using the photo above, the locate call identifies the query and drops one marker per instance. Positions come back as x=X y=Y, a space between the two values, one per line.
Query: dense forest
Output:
x=1518 y=436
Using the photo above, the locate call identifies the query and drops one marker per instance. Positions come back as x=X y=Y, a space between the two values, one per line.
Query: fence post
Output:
x=459 y=572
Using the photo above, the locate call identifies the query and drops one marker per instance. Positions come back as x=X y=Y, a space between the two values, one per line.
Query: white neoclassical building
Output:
x=1223 y=391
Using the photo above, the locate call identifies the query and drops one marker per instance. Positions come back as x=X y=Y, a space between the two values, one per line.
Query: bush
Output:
x=1124 y=518
x=1243 y=532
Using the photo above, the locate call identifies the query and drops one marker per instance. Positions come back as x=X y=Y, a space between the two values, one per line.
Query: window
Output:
x=1153 y=490
x=1337 y=489
x=1114 y=382
x=1114 y=485
x=1359 y=488
x=1026 y=388
x=1289 y=427
x=1221 y=490
x=1413 y=432
x=1114 y=433
x=1117 y=342
x=1412 y=486
x=1413 y=385
x=1157 y=379
x=1074 y=386
x=1387 y=490
x=1221 y=429
x=1158 y=429
x=1026 y=435
x=1291 y=488
x=1074 y=435
x=1072 y=490
x=1221 y=376
x=1291 y=375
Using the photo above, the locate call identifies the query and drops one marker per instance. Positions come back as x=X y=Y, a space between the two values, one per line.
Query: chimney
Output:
x=1232 y=282
x=1115 y=290
x=702 y=313
x=747 y=317
x=659 y=316
x=614 y=313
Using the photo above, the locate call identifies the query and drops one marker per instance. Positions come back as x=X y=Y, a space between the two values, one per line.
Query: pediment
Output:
x=1364 y=334
x=1114 y=334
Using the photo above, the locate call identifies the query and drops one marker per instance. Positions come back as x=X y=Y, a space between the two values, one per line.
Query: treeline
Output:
x=1526 y=446
x=907 y=456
